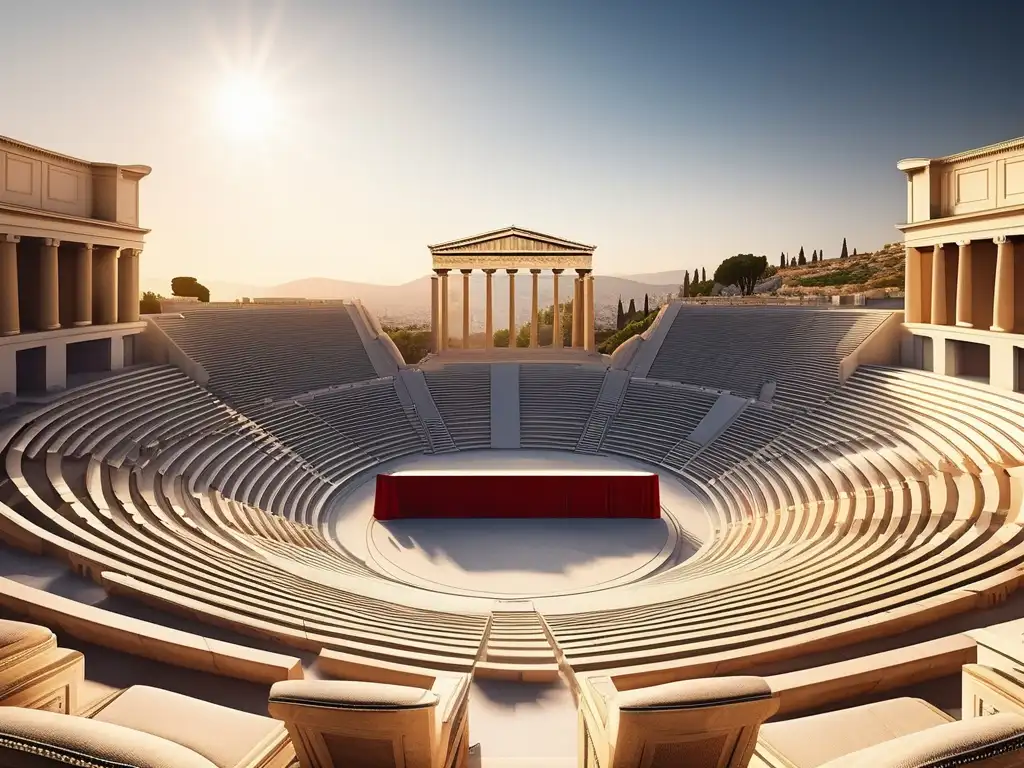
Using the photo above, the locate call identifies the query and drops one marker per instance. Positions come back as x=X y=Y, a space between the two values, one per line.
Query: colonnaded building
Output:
x=250 y=535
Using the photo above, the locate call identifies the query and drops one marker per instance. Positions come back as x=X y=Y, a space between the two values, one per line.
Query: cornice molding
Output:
x=991 y=149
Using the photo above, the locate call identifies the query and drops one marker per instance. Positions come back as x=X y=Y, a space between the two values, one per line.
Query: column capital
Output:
x=1000 y=239
x=511 y=271
x=8 y=238
x=558 y=270
x=583 y=272
x=489 y=272
x=962 y=243
x=536 y=271
x=466 y=271
x=939 y=246
x=433 y=277
x=442 y=272
x=51 y=242
x=129 y=252
x=85 y=246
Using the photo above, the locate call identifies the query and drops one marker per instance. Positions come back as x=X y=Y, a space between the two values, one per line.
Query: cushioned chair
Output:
x=706 y=723
x=225 y=737
x=810 y=742
x=375 y=725
x=32 y=738
x=34 y=672
x=996 y=741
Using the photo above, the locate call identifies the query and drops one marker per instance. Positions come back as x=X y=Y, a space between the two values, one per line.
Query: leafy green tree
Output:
x=500 y=338
x=843 y=253
x=523 y=337
x=189 y=287
x=412 y=343
x=149 y=304
x=742 y=270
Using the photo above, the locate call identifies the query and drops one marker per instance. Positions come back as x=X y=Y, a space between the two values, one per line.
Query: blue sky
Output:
x=671 y=135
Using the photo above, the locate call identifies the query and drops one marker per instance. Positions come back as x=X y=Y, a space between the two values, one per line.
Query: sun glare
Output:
x=245 y=106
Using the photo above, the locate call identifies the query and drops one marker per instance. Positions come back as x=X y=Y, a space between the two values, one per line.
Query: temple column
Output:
x=534 y=312
x=512 y=330
x=435 y=313
x=444 y=309
x=489 y=310
x=590 y=329
x=577 y=312
x=49 y=304
x=1003 y=311
x=912 y=292
x=938 y=308
x=105 y=285
x=465 y=307
x=10 y=322
x=128 y=286
x=965 y=287
x=83 y=285
x=556 y=314
x=588 y=312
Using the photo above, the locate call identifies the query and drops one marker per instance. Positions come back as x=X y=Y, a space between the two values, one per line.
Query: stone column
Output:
x=912 y=292
x=1003 y=312
x=965 y=287
x=556 y=314
x=128 y=286
x=534 y=312
x=10 y=322
x=588 y=311
x=105 y=285
x=444 y=309
x=577 y=311
x=465 y=307
x=49 y=303
x=589 y=330
x=435 y=313
x=489 y=311
x=83 y=285
x=512 y=330
x=938 y=314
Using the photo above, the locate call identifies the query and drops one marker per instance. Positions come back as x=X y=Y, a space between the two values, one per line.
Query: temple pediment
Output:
x=512 y=247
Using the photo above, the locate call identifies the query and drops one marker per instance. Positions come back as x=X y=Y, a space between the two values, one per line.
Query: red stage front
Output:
x=428 y=495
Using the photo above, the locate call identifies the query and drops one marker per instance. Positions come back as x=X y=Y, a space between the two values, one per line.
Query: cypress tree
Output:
x=843 y=253
x=792 y=262
x=631 y=314
x=620 y=320
x=686 y=284
x=703 y=275
x=801 y=259
x=814 y=256
x=782 y=260
x=647 y=306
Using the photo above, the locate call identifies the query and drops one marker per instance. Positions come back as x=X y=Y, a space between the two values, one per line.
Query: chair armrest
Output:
x=964 y=741
x=48 y=738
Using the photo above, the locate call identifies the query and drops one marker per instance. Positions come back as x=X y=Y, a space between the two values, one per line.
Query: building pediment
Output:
x=512 y=247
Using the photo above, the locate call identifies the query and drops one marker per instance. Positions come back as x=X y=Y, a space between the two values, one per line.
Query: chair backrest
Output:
x=342 y=722
x=33 y=738
x=996 y=741
x=705 y=723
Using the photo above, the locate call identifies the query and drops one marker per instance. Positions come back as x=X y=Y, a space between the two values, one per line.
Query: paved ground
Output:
x=502 y=558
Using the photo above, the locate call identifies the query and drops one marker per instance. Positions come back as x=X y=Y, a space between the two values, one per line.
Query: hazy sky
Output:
x=668 y=134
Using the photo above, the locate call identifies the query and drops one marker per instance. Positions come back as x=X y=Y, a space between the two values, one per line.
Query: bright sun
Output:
x=245 y=106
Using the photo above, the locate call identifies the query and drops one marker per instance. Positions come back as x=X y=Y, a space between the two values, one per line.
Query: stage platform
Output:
x=542 y=494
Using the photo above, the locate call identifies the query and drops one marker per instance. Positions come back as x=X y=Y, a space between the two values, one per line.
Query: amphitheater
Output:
x=191 y=573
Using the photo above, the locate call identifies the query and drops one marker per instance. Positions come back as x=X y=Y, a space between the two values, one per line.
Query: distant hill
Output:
x=410 y=302
x=864 y=272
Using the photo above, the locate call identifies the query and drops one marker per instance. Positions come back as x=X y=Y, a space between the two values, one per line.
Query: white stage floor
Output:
x=521 y=558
